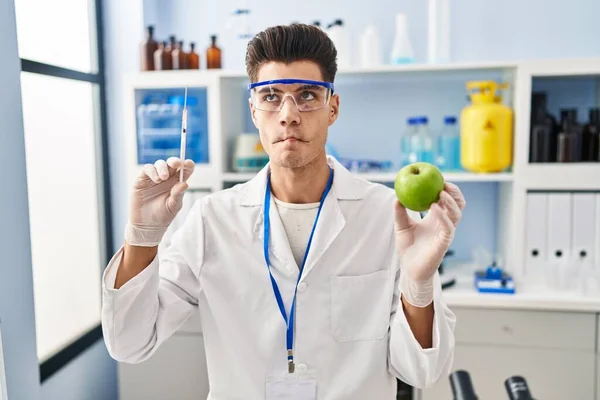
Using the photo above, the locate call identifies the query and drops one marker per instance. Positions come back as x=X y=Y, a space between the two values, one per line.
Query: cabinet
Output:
x=177 y=371
x=554 y=351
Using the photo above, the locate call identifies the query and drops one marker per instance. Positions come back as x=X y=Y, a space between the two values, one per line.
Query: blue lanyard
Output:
x=266 y=224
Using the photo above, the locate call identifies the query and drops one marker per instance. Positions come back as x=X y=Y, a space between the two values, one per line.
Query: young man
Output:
x=311 y=283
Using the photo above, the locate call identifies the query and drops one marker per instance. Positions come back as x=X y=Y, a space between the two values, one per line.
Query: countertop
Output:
x=464 y=294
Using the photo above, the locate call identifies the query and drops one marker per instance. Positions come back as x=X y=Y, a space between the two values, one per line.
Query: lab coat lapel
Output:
x=330 y=224
x=346 y=187
x=279 y=245
x=280 y=252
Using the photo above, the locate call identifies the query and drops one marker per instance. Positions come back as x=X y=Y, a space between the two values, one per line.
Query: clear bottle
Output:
x=421 y=143
x=402 y=50
x=448 y=146
x=405 y=139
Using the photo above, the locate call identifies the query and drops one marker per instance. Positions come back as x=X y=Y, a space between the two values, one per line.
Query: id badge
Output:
x=292 y=387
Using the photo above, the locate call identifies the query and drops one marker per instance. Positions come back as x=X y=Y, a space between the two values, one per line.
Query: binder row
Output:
x=562 y=227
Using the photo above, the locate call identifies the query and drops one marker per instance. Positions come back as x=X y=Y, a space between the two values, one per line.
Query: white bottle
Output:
x=370 y=48
x=339 y=35
x=402 y=50
x=438 y=31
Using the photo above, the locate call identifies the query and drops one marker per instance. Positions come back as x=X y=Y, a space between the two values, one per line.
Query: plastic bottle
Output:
x=193 y=57
x=448 y=146
x=402 y=50
x=339 y=35
x=405 y=139
x=213 y=54
x=370 y=47
x=147 y=49
x=421 y=142
x=438 y=31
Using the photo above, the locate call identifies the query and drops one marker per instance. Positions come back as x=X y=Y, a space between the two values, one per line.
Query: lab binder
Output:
x=584 y=229
x=536 y=226
x=559 y=227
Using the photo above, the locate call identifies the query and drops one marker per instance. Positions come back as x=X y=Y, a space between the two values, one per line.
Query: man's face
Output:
x=291 y=138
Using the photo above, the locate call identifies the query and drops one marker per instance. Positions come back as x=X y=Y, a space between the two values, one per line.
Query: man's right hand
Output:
x=156 y=198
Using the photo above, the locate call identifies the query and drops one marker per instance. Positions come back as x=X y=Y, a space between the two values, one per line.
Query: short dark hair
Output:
x=289 y=43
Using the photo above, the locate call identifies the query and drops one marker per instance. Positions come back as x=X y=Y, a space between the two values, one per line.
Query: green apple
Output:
x=418 y=186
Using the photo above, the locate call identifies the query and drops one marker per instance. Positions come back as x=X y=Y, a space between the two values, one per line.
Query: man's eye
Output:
x=306 y=95
x=270 y=97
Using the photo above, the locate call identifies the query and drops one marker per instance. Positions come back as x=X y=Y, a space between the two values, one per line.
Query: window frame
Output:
x=56 y=362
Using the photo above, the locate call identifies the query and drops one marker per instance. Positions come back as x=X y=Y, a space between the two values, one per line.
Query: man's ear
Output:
x=252 y=113
x=334 y=108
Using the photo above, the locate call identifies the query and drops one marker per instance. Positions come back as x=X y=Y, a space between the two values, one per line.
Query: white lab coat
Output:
x=350 y=330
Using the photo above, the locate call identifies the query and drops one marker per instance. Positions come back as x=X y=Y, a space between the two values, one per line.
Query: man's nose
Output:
x=289 y=112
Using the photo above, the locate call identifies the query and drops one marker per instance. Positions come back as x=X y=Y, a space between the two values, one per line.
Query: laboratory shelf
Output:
x=389 y=177
x=561 y=176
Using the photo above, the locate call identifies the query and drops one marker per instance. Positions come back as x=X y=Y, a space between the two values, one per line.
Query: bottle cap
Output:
x=449 y=120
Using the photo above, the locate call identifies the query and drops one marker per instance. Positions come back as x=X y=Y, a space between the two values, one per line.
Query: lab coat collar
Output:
x=346 y=187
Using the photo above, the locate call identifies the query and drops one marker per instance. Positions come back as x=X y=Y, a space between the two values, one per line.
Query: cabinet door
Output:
x=598 y=377
x=177 y=371
x=551 y=374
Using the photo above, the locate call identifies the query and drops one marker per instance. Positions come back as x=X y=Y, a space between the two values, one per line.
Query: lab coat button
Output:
x=302 y=368
x=301 y=287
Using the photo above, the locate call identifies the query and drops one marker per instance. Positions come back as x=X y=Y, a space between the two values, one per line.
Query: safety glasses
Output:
x=308 y=95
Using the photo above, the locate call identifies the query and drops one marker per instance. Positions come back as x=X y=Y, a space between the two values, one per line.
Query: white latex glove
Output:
x=156 y=198
x=422 y=244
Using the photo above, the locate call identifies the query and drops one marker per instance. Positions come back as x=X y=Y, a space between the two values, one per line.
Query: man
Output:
x=311 y=283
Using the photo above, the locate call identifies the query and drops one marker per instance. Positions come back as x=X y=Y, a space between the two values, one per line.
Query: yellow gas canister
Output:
x=486 y=129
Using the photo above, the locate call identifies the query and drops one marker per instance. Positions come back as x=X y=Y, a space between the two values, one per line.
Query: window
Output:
x=62 y=85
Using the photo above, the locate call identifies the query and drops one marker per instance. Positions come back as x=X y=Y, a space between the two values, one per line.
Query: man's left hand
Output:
x=422 y=244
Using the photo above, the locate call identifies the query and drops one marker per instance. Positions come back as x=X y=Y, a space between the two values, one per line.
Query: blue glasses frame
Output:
x=328 y=85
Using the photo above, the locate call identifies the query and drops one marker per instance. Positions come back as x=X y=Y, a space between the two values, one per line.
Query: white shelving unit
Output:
x=227 y=110
x=389 y=177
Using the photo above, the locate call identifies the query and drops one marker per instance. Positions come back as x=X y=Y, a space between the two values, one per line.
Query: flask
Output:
x=193 y=57
x=213 y=54
x=147 y=49
x=179 y=57
x=162 y=58
x=402 y=50
x=486 y=129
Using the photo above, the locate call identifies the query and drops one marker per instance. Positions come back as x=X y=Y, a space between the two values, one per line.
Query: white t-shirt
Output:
x=298 y=221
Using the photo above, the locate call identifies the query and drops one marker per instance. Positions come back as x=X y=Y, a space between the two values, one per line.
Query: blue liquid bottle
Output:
x=421 y=143
x=405 y=149
x=448 y=146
